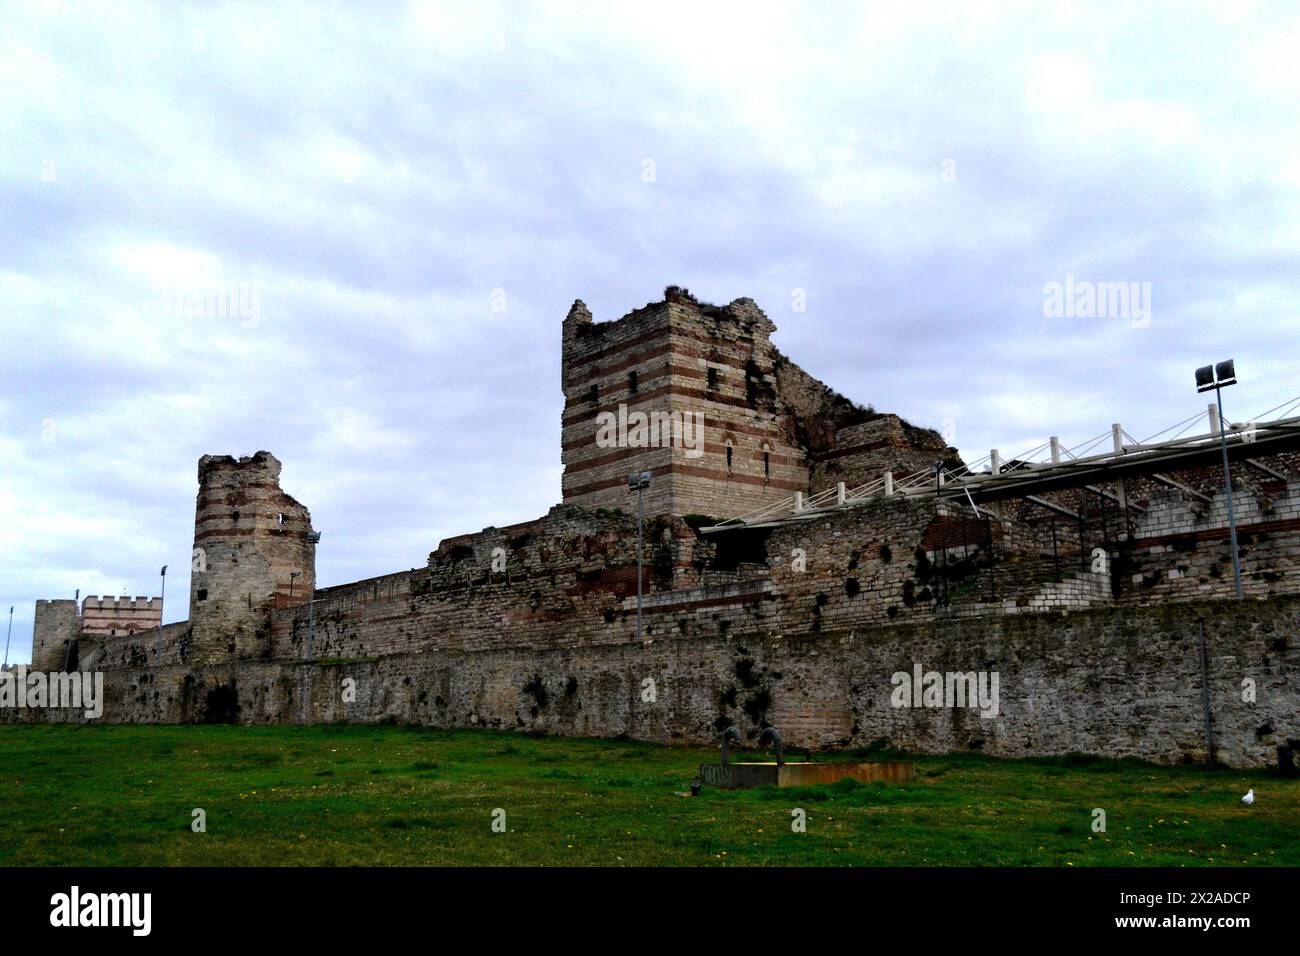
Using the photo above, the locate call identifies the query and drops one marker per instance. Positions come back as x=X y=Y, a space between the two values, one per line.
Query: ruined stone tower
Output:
x=54 y=632
x=679 y=360
x=254 y=551
x=769 y=428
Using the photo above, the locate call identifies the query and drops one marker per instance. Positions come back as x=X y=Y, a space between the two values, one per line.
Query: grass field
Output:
x=346 y=795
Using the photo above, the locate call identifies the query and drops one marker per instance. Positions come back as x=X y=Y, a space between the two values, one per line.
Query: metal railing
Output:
x=1028 y=465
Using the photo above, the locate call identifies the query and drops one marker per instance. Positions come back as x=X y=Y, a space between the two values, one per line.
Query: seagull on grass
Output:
x=1249 y=798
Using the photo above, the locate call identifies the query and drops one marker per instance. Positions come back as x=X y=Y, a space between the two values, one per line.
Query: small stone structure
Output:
x=110 y=616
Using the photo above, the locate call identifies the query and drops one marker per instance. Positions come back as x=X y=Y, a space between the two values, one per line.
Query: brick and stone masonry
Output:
x=55 y=627
x=799 y=625
x=253 y=552
x=768 y=426
x=110 y=616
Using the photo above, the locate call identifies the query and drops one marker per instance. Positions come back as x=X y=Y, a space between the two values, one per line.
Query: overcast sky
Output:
x=409 y=199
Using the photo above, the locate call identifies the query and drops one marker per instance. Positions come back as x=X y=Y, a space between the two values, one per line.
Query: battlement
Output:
x=108 y=616
x=119 y=602
x=254 y=551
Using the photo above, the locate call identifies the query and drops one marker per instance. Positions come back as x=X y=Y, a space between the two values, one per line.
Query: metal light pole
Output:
x=8 y=635
x=162 y=598
x=1219 y=377
x=639 y=481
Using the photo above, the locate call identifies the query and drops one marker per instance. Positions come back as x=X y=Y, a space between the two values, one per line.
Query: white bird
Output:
x=1249 y=798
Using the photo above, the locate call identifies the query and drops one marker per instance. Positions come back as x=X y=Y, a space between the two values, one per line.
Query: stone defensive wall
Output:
x=559 y=580
x=156 y=647
x=1119 y=683
x=799 y=626
x=569 y=579
x=1103 y=606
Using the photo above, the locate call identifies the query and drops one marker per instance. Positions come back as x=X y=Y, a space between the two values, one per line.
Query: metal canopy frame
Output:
x=1027 y=479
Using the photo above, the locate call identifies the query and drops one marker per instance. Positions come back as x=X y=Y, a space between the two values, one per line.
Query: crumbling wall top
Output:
x=123 y=601
x=743 y=310
x=578 y=312
x=262 y=461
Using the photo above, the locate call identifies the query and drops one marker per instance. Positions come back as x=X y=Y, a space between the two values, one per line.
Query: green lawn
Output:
x=344 y=795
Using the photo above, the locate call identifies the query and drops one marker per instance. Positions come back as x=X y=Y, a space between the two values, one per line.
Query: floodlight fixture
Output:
x=1219 y=377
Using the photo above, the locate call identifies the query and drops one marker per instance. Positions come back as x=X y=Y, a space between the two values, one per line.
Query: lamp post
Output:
x=162 y=605
x=1219 y=377
x=314 y=538
x=639 y=482
x=7 y=636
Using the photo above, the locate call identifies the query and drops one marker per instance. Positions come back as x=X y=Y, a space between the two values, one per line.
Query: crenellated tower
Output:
x=112 y=616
